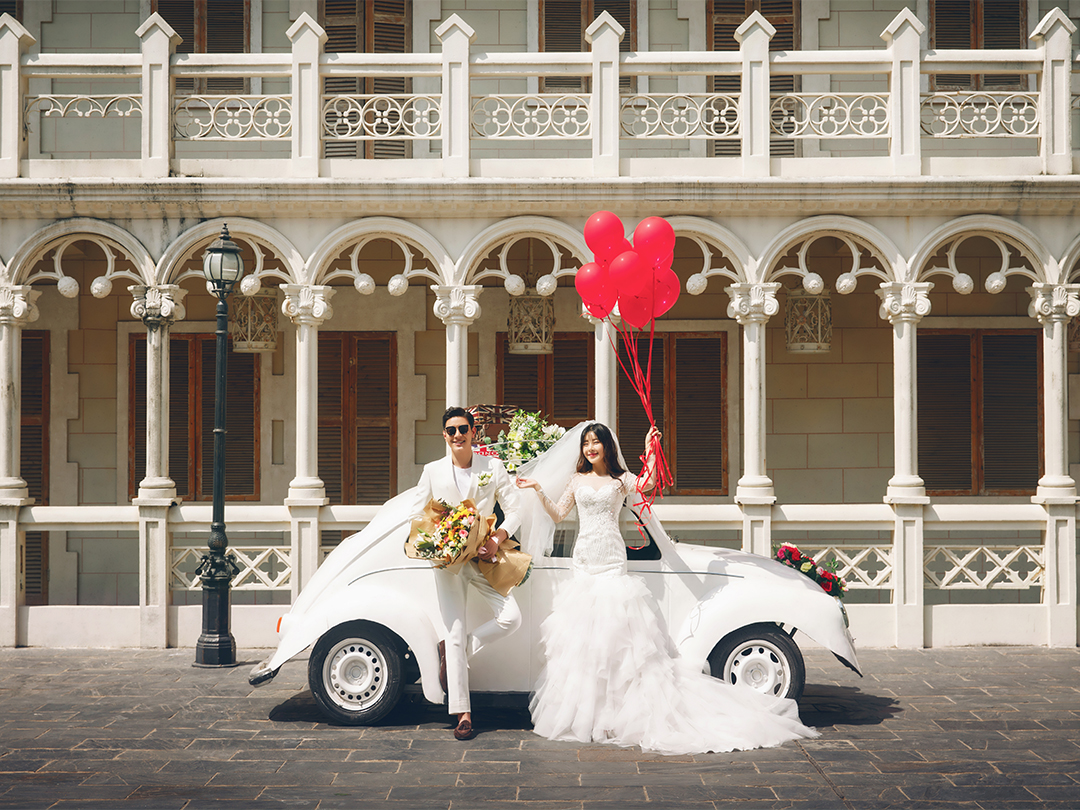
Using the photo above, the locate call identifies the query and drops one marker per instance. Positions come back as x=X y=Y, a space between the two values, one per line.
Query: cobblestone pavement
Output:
x=973 y=728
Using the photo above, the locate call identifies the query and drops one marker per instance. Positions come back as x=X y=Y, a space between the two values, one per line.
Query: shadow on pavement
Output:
x=828 y=705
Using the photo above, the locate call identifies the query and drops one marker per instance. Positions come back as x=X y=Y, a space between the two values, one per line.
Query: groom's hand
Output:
x=490 y=548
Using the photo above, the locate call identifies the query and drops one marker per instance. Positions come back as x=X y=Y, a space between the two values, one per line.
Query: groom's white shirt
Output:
x=437 y=481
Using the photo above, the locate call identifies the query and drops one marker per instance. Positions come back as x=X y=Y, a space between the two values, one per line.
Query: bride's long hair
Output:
x=611 y=452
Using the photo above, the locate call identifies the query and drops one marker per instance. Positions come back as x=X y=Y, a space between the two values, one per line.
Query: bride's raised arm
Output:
x=556 y=511
x=648 y=475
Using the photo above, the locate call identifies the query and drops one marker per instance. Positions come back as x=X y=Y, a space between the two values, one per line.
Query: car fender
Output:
x=741 y=603
x=371 y=602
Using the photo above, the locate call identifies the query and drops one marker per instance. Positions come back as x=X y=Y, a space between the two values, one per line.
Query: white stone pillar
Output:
x=902 y=38
x=604 y=36
x=157 y=307
x=158 y=43
x=307 y=38
x=752 y=305
x=1053 y=306
x=15 y=40
x=606 y=374
x=17 y=307
x=457 y=37
x=753 y=37
x=904 y=304
x=457 y=307
x=1054 y=36
x=308 y=306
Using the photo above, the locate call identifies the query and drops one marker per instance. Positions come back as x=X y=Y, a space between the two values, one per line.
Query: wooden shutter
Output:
x=136 y=412
x=572 y=379
x=1011 y=440
x=945 y=407
x=227 y=30
x=331 y=421
x=12 y=7
x=34 y=457
x=181 y=15
x=519 y=378
x=389 y=33
x=633 y=423
x=181 y=463
x=562 y=30
x=978 y=24
x=241 y=423
x=1004 y=26
x=697 y=426
x=375 y=417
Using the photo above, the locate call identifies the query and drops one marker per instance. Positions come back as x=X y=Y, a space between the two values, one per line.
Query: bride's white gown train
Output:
x=612 y=674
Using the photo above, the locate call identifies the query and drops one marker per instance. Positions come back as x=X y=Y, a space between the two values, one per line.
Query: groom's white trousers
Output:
x=452 y=589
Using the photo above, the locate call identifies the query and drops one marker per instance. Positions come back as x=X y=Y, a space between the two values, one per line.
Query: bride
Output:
x=611 y=673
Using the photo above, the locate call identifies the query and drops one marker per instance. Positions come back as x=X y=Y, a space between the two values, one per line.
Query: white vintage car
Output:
x=371 y=616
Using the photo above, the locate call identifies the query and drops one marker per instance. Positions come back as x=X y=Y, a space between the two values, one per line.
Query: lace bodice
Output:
x=599 y=547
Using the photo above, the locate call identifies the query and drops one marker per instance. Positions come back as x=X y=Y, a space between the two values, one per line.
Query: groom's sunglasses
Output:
x=452 y=429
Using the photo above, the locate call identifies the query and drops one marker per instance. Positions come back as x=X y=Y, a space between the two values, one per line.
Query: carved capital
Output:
x=307 y=304
x=1054 y=302
x=158 y=305
x=753 y=303
x=18 y=305
x=904 y=301
x=457 y=305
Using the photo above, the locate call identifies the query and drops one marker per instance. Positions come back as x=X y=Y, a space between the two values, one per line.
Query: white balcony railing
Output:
x=446 y=127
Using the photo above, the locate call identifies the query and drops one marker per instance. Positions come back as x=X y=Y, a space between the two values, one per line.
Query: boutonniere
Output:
x=484 y=479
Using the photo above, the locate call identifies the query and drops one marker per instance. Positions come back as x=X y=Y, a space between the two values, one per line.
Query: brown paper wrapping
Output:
x=511 y=563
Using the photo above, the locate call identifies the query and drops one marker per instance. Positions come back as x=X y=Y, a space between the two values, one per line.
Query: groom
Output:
x=451 y=480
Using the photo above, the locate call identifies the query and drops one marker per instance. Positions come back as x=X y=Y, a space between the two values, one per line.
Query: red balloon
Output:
x=654 y=239
x=601 y=306
x=629 y=274
x=604 y=234
x=636 y=310
x=595 y=289
x=665 y=291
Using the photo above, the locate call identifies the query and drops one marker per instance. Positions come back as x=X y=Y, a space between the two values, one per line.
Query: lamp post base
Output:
x=216 y=646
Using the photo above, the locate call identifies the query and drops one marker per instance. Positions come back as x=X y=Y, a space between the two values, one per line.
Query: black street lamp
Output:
x=222 y=266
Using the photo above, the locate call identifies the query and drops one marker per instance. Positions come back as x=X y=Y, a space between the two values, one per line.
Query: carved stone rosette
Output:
x=18 y=305
x=753 y=303
x=904 y=301
x=157 y=305
x=1053 y=302
x=457 y=306
x=307 y=304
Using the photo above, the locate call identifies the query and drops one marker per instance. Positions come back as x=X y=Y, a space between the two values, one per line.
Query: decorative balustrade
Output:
x=979 y=567
x=863 y=567
x=447 y=110
x=262 y=568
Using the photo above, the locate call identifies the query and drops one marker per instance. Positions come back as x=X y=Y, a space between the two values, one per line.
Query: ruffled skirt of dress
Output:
x=611 y=675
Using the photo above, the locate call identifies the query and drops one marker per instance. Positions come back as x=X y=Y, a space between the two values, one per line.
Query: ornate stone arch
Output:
x=936 y=254
x=262 y=239
x=868 y=247
x=557 y=236
x=413 y=241
x=733 y=261
x=1070 y=262
x=115 y=243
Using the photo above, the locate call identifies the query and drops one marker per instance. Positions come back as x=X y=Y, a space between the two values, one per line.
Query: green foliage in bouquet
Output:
x=528 y=436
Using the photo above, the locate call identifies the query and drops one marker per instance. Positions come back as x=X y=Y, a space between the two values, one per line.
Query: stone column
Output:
x=606 y=379
x=457 y=37
x=457 y=307
x=604 y=36
x=157 y=307
x=17 y=308
x=752 y=305
x=158 y=43
x=307 y=38
x=1054 y=305
x=308 y=306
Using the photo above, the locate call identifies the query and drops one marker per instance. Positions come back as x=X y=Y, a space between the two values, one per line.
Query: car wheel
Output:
x=763 y=657
x=355 y=673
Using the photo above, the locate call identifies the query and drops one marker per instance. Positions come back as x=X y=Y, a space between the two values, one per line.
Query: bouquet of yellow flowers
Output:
x=448 y=535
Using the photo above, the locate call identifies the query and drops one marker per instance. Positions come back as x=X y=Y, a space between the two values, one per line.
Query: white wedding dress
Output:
x=611 y=672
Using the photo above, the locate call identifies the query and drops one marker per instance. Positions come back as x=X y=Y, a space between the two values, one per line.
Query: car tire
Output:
x=355 y=673
x=763 y=657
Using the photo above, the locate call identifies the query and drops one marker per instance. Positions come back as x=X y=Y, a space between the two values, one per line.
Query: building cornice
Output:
x=276 y=198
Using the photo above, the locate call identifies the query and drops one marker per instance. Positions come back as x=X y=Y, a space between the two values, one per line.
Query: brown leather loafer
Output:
x=464 y=731
x=442 y=665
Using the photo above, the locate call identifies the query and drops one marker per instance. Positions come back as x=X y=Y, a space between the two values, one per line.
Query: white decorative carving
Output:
x=980 y=115
x=457 y=305
x=808 y=322
x=846 y=283
x=250 y=284
x=254 y=323
x=78 y=106
x=262 y=568
x=531 y=325
x=232 y=118
x=944 y=262
x=995 y=282
x=546 y=284
x=364 y=284
x=904 y=301
x=307 y=304
x=830 y=115
x=753 y=302
x=963 y=283
x=67 y=287
x=514 y=284
x=867 y=567
x=18 y=304
x=683 y=115
x=158 y=305
x=863 y=262
x=1054 y=302
x=398 y=285
x=397 y=117
x=101 y=287
x=984 y=567
x=533 y=116
x=813 y=283
x=697 y=283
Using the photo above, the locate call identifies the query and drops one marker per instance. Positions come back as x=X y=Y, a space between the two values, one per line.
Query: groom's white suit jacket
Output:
x=437 y=481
